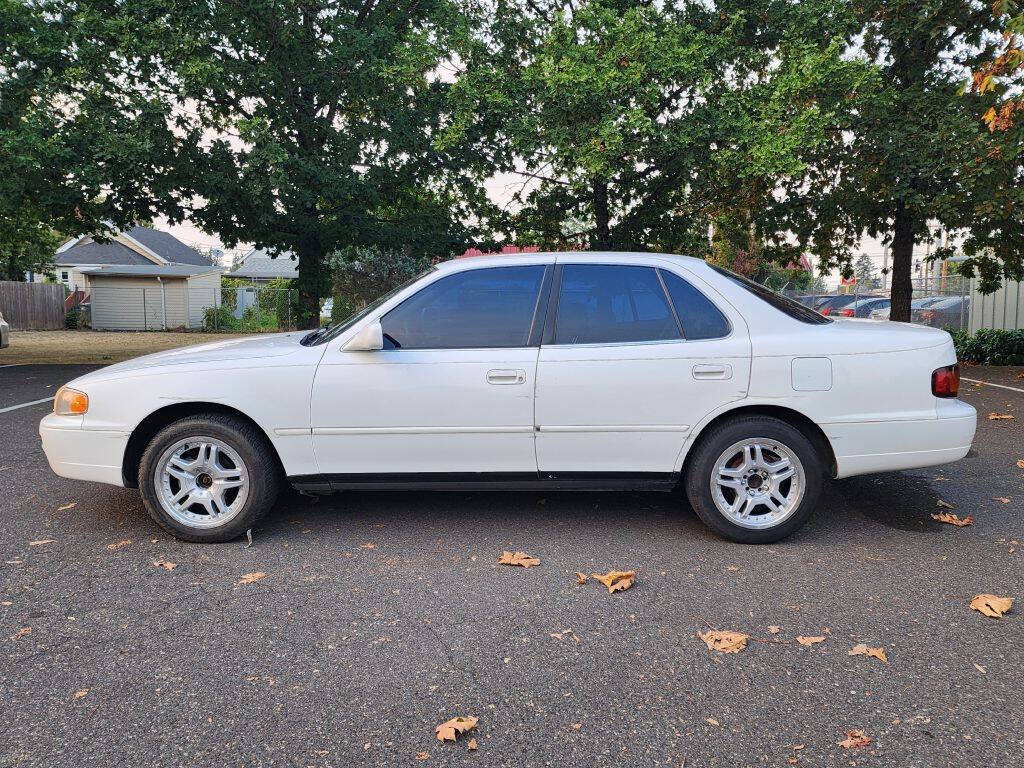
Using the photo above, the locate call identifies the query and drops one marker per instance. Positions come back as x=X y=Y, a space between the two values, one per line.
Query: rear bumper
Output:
x=82 y=454
x=861 y=448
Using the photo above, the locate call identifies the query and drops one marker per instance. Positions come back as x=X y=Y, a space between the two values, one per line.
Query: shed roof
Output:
x=151 y=270
x=260 y=265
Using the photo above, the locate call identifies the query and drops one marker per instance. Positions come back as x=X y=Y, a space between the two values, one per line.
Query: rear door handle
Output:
x=712 y=371
x=506 y=376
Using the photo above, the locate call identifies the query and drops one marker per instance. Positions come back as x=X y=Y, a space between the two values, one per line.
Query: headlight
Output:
x=70 y=402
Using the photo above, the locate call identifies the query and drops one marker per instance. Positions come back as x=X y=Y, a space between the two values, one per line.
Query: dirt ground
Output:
x=96 y=347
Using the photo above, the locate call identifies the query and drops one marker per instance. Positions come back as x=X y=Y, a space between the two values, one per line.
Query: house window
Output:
x=63 y=276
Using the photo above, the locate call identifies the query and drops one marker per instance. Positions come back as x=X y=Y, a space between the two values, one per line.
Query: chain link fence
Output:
x=249 y=309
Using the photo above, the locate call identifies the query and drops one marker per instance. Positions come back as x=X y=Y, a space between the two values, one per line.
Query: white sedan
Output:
x=567 y=370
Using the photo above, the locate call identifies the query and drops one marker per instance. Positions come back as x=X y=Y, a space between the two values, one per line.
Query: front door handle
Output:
x=506 y=376
x=712 y=371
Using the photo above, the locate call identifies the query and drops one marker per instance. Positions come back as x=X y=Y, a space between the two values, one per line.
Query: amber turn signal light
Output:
x=70 y=402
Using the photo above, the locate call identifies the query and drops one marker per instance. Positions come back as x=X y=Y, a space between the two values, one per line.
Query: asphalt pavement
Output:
x=384 y=614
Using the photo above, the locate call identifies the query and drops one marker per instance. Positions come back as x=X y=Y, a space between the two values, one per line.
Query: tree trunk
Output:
x=311 y=283
x=602 y=236
x=902 y=262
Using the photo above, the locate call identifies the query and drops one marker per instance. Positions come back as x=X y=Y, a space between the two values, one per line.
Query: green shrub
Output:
x=71 y=318
x=219 y=319
x=990 y=347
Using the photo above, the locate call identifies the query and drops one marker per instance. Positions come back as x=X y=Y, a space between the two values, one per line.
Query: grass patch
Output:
x=97 y=347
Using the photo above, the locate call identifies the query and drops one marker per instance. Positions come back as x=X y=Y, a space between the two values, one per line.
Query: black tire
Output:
x=252 y=447
x=711 y=445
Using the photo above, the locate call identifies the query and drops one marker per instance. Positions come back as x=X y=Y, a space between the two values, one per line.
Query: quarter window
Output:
x=699 y=317
x=490 y=307
x=611 y=304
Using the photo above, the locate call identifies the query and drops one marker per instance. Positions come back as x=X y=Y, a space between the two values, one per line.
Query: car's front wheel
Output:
x=754 y=480
x=208 y=478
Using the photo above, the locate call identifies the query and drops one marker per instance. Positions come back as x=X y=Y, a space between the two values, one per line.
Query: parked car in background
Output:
x=832 y=304
x=541 y=370
x=863 y=307
x=951 y=312
x=5 y=332
x=814 y=300
x=883 y=313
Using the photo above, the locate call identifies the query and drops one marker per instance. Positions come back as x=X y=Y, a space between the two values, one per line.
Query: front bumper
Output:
x=82 y=454
x=887 y=446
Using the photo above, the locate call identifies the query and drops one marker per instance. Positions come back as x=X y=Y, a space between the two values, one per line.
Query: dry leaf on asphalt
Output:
x=616 y=581
x=862 y=650
x=368 y=545
x=65 y=507
x=810 y=640
x=119 y=544
x=447 y=731
x=941 y=503
x=39 y=542
x=855 y=740
x=980 y=668
x=81 y=694
x=1001 y=499
x=472 y=745
x=422 y=755
x=724 y=641
x=712 y=721
x=774 y=630
x=581 y=578
x=518 y=558
x=993 y=606
x=167 y=565
x=951 y=519
x=1020 y=463
x=1000 y=416
x=21 y=633
x=251 y=578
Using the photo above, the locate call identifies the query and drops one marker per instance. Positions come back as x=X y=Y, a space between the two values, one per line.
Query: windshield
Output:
x=794 y=309
x=333 y=331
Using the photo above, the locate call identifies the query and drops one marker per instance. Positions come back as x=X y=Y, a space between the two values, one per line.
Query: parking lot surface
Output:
x=381 y=615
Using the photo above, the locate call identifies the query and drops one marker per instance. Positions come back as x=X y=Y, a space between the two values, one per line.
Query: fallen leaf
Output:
x=616 y=581
x=712 y=721
x=21 y=633
x=952 y=519
x=80 y=694
x=855 y=740
x=581 y=578
x=724 y=641
x=251 y=578
x=1001 y=499
x=732 y=568
x=368 y=545
x=862 y=650
x=39 y=542
x=774 y=630
x=518 y=558
x=810 y=640
x=165 y=564
x=991 y=605
x=472 y=745
x=1020 y=463
x=1000 y=416
x=576 y=726
x=65 y=507
x=946 y=504
x=422 y=755
x=979 y=668
x=447 y=731
x=119 y=544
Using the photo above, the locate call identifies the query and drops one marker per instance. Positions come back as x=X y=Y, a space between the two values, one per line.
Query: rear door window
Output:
x=612 y=304
x=700 y=318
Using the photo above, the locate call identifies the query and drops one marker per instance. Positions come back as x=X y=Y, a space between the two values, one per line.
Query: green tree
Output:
x=302 y=125
x=921 y=153
x=864 y=271
x=364 y=273
x=26 y=245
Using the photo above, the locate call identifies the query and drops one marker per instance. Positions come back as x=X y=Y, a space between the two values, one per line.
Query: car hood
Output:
x=249 y=348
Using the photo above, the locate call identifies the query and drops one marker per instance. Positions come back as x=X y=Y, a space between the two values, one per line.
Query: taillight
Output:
x=826 y=310
x=848 y=313
x=927 y=315
x=946 y=381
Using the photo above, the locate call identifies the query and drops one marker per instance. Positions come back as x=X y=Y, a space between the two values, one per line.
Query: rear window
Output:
x=794 y=309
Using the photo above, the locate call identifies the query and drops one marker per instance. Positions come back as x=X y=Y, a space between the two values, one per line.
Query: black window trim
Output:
x=531 y=341
x=556 y=289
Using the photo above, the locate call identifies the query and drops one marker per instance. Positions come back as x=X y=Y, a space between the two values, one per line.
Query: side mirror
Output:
x=369 y=339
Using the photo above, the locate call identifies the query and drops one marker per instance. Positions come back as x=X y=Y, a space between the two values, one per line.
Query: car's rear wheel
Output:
x=754 y=480
x=208 y=477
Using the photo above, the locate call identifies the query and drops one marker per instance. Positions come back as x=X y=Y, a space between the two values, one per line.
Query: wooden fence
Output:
x=32 y=306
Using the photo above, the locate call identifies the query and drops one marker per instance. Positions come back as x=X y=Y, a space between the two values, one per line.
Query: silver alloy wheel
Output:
x=757 y=483
x=201 y=482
